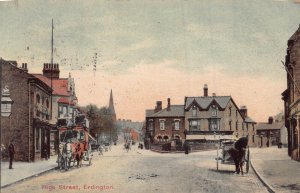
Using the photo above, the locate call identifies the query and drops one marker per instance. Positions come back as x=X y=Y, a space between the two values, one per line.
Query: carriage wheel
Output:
x=248 y=160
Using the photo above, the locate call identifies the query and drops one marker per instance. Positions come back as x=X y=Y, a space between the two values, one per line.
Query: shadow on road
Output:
x=222 y=171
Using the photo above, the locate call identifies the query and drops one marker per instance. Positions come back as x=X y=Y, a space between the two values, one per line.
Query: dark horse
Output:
x=238 y=153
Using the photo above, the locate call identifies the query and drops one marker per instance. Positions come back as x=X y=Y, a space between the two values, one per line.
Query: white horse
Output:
x=65 y=156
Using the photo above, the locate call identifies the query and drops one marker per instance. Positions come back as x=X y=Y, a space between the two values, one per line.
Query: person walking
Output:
x=11 y=153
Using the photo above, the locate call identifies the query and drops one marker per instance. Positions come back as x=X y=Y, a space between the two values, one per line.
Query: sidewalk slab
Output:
x=25 y=170
x=276 y=169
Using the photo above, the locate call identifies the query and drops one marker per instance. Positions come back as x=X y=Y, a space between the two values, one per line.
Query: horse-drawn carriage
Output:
x=232 y=152
x=74 y=146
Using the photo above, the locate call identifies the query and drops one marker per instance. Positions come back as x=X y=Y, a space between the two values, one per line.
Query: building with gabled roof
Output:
x=165 y=124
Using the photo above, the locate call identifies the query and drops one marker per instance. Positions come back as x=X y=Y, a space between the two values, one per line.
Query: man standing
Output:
x=11 y=152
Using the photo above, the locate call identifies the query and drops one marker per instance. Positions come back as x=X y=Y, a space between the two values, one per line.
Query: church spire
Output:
x=111 y=108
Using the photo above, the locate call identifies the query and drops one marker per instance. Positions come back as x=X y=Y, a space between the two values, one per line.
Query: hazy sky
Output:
x=151 y=50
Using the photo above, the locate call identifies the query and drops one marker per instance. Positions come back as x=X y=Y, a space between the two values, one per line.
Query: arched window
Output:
x=159 y=138
x=166 y=138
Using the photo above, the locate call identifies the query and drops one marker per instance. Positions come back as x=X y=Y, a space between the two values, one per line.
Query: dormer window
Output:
x=194 y=111
x=214 y=111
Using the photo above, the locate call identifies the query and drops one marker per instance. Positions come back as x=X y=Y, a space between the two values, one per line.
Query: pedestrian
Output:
x=45 y=151
x=11 y=153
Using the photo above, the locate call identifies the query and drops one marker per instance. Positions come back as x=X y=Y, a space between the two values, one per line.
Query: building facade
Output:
x=28 y=125
x=291 y=95
x=163 y=125
x=209 y=117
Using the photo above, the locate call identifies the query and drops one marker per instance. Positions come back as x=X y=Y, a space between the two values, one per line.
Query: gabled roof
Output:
x=204 y=102
x=59 y=86
x=267 y=126
x=175 y=111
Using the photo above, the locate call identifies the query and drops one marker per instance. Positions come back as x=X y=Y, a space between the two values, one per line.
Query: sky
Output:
x=148 y=51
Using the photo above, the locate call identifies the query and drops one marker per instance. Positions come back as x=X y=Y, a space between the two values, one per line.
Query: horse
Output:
x=66 y=156
x=79 y=155
x=238 y=154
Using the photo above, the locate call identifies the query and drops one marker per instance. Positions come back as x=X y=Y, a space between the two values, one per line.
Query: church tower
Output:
x=111 y=108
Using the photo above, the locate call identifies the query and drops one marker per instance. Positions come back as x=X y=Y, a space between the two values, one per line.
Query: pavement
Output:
x=25 y=170
x=272 y=165
x=276 y=169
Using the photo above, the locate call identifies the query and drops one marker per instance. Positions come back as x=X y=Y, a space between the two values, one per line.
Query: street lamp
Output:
x=6 y=102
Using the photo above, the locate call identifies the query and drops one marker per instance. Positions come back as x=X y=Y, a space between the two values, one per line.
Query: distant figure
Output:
x=45 y=151
x=11 y=153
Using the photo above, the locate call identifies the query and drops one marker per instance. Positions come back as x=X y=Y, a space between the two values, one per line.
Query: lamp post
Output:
x=6 y=102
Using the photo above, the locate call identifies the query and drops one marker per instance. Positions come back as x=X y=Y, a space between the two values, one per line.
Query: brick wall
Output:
x=16 y=126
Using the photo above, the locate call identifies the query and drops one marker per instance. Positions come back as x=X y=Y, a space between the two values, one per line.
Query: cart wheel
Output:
x=248 y=161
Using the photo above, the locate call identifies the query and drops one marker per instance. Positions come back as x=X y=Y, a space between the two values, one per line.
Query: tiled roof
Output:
x=267 y=126
x=59 y=86
x=175 y=111
x=65 y=100
x=204 y=102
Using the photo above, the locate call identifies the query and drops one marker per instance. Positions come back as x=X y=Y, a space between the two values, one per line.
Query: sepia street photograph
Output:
x=150 y=96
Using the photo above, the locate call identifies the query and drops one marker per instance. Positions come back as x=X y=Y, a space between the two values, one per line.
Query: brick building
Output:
x=291 y=95
x=209 y=117
x=163 y=125
x=28 y=125
x=64 y=100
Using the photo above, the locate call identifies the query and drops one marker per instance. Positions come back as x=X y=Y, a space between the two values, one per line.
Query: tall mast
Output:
x=51 y=66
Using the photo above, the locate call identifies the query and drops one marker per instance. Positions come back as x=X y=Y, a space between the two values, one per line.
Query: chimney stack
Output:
x=205 y=90
x=51 y=70
x=213 y=94
x=24 y=67
x=158 y=106
x=243 y=110
x=169 y=104
x=270 y=120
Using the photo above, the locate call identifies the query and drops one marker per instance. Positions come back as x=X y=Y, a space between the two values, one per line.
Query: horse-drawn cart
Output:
x=74 y=146
x=228 y=155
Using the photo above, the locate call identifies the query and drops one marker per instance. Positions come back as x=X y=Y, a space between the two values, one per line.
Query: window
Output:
x=236 y=113
x=47 y=103
x=194 y=124
x=214 y=111
x=150 y=125
x=194 y=111
x=37 y=139
x=162 y=124
x=176 y=125
x=166 y=138
x=159 y=138
x=214 y=125
x=230 y=111
x=38 y=98
x=60 y=111
x=253 y=138
x=236 y=125
x=230 y=125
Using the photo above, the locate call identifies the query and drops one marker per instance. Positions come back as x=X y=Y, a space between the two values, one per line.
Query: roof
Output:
x=204 y=102
x=59 y=86
x=267 y=126
x=249 y=120
x=296 y=35
x=65 y=100
x=149 y=112
x=111 y=108
x=175 y=111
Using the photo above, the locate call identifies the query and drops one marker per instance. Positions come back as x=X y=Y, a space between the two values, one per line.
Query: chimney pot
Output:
x=243 y=110
x=214 y=94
